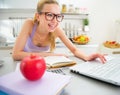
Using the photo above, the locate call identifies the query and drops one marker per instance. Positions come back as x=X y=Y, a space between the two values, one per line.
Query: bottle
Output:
x=64 y=8
x=77 y=10
x=71 y=8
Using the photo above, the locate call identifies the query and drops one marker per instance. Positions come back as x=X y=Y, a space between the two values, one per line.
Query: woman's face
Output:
x=49 y=11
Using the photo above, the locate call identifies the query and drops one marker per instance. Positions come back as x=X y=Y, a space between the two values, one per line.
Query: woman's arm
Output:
x=18 y=52
x=60 y=33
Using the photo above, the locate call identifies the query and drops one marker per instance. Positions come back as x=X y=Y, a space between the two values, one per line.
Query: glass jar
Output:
x=64 y=8
x=71 y=8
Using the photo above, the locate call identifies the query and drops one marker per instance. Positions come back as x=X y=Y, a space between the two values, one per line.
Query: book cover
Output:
x=50 y=84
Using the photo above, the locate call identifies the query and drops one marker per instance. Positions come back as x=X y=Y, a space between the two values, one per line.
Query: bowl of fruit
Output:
x=81 y=39
x=111 y=44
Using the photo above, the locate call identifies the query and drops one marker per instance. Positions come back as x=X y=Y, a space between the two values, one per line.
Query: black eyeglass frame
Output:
x=55 y=15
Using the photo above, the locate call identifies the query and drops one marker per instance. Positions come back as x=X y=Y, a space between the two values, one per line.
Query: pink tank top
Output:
x=30 y=47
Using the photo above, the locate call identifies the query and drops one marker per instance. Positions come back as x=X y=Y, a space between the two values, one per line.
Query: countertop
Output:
x=79 y=85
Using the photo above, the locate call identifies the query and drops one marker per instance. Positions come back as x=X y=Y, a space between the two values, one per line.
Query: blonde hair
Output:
x=40 y=6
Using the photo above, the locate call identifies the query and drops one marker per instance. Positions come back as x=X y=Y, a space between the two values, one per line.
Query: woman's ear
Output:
x=37 y=16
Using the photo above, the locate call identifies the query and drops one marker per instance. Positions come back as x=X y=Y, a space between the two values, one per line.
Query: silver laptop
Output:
x=108 y=72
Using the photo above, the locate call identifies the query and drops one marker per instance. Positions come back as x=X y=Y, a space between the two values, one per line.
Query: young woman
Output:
x=37 y=37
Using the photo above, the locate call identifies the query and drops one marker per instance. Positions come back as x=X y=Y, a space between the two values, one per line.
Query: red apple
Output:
x=33 y=67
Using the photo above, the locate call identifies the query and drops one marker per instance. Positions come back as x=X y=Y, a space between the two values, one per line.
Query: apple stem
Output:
x=32 y=56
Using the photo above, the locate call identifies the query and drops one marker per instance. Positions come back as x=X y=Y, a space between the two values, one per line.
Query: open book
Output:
x=50 y=84
x=58 y=61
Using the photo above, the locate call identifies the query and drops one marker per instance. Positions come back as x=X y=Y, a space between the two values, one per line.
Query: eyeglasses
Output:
x=50 y=16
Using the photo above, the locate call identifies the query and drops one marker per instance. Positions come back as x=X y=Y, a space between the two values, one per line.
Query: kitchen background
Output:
x=103 y=16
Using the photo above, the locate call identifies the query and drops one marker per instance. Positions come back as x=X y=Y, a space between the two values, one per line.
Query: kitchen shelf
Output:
x=16 y=13
x=69 y=13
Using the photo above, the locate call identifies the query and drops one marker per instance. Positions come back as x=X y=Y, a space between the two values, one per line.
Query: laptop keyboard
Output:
x=58 y=70
x=110 y=70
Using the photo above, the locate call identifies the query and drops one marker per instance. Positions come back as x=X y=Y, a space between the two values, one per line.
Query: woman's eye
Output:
x=59 y=16
x=50 y=15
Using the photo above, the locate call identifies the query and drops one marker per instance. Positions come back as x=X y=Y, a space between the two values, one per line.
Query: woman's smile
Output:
x=52 y=26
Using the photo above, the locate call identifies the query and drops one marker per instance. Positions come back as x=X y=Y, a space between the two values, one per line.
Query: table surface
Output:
x=79 y=85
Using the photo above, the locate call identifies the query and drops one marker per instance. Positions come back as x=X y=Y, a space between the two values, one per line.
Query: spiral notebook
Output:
x=108 y=72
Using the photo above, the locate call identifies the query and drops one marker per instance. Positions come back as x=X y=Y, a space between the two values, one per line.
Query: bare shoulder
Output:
x=29 y=22
x=27 y=26
x=59 y=31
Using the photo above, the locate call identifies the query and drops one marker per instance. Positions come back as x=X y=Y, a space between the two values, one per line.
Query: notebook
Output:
x=50 y=84
x=58 y=61
x=108 y=72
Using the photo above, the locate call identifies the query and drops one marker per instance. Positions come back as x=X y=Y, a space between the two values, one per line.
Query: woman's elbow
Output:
x=15 y=56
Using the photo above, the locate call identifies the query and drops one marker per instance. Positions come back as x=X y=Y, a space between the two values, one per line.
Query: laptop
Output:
x=108 y=72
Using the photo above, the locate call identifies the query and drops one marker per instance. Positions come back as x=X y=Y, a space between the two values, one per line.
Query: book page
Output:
x=51 y=60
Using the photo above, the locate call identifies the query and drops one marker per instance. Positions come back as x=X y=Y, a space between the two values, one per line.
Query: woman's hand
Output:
x=97 y=55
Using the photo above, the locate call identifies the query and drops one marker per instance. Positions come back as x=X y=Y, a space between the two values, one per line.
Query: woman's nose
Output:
x=54 y=19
